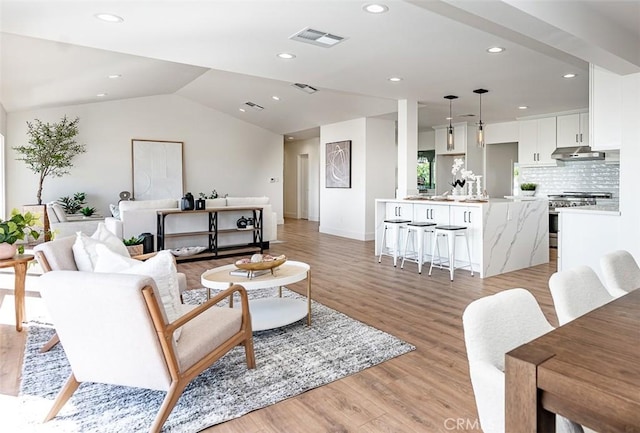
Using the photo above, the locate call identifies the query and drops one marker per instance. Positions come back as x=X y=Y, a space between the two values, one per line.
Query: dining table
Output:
x=587 y=370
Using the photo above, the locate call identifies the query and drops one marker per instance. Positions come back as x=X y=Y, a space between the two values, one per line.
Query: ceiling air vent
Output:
x=305 y=88
x=254 y=106
x=467 y=115
x=316 y=37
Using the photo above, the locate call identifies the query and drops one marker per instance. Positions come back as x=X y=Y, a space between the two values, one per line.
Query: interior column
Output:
x=407 y=148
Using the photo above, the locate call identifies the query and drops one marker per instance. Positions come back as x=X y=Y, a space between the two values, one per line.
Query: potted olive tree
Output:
x=51 y=149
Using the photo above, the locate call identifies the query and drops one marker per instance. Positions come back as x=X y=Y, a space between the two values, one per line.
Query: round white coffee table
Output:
x=267 y=313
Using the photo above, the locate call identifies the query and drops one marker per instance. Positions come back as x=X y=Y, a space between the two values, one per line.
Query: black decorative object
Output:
x=147 y=243
x=200 y=204
x=242 y=222
x=187 y=202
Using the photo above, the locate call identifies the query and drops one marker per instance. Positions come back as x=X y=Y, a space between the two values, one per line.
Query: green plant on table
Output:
x=214 y=194
x=72 y=205
x=134 y=240
x=19 y=226
x=528 y=186
x=88 y=211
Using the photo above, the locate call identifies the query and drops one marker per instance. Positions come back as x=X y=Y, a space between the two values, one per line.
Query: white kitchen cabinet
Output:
x=572 y=130
x=537 y=141
x=431 y=213
x=470 y=217
x=399 y=210
x=605 y=105
x=460 y=134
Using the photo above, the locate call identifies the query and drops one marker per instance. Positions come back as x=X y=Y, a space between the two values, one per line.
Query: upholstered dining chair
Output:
x=620 y=272
x=493 y=326
x=57 y=255
x=577 y=291
x=114 y=330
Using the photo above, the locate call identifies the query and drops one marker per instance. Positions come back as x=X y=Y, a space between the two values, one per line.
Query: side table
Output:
x=19 y=263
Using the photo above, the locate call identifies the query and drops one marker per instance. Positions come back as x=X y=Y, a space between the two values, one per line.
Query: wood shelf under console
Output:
x=213 y=233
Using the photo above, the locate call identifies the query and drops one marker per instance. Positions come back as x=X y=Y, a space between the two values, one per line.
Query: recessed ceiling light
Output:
x=569 y=76
x=275 y=98
x=286 y=56
x=114 y=76
x=289 y=138
x=495 y=50
x=374 y=8
x=100 y=95
x=110 y=18
x=522 y=107
x=449 y=118
x=243 y=110
x=395 y=79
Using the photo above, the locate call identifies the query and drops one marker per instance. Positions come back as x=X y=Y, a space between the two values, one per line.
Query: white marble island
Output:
x=505 y=235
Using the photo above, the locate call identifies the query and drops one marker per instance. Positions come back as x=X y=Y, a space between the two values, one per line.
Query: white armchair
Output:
x=621 y=273
x=125 y=338
x=575 y=292
x=493 y=326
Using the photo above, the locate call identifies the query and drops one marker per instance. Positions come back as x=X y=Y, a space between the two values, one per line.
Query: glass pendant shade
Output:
x=480 y=131
x=450 y=142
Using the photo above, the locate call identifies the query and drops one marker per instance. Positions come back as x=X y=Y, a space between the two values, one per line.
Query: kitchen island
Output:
x=504 y=234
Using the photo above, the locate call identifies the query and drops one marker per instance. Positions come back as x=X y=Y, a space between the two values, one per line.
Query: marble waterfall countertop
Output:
x=505 y=234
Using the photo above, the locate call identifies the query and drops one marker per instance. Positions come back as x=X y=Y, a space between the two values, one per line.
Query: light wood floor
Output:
x=427 y=390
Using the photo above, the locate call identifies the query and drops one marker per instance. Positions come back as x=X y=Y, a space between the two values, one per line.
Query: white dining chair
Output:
x=620 y=272
x=493 y=326
x=577 y=291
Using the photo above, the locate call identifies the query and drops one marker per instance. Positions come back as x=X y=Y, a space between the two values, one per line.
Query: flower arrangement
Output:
x=464 y=173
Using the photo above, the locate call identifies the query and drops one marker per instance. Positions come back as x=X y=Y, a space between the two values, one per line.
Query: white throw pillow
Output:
x=84 y=248
x=114 y=243
x=115 y=211
x=160 y=267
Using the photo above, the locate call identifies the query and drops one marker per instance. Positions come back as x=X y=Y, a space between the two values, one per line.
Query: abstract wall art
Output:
x=338 y=164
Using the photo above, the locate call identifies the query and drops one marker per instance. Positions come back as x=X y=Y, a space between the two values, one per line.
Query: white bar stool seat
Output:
x=416 y=231
x=451 y=232
x=393 y=251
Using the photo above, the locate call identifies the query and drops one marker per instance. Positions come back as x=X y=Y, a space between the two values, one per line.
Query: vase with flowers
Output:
x=15 y=229
x=457 y=184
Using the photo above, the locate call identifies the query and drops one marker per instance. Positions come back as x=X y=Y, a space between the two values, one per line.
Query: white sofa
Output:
x=63 y=225
x=137 y=217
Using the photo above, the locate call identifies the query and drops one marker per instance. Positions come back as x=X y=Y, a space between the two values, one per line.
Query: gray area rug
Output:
x=290 y=361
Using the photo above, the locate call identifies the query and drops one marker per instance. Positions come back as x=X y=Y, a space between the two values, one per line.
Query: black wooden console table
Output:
x=213 y=232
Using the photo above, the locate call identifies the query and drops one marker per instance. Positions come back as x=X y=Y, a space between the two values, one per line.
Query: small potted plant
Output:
x=15 y=229
x=134 y=245
x=528 y=188
x=88 y=211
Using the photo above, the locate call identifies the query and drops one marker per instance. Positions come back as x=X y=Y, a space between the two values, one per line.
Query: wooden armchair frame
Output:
x=179 y=379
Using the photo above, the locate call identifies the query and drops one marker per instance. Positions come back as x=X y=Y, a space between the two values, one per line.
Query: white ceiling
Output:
x=223 y=53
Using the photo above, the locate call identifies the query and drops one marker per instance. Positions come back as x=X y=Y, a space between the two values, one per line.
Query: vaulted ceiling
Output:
x=223 y=54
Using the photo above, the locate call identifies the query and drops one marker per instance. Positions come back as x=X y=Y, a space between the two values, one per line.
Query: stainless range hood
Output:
x=577 y=153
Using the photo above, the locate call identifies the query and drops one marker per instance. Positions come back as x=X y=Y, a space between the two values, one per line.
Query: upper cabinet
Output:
x=460 y=134
x=537 y=140
x=605 y=102
x=572 y=130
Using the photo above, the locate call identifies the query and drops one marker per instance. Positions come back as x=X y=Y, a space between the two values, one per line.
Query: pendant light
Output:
x=480 y=131
x=450 y=128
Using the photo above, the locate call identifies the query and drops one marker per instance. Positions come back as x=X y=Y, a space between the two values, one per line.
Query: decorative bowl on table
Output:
x=260 y=262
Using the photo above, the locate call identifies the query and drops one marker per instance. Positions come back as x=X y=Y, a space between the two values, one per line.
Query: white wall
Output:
x=427 y=140
x=349 y=212
x=292 y=149
x=629 y=163
x=381 y=156
x=3 y=120
x=220 y=152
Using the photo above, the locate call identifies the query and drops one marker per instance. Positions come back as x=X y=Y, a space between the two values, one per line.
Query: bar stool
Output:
x=395 y=225
x=416 y=230
x=451 y=232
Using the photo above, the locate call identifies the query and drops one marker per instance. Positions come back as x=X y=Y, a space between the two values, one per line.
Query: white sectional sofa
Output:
x=137 y=217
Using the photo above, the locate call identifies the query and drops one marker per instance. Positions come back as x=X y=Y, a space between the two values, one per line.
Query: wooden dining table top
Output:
x=589 y=369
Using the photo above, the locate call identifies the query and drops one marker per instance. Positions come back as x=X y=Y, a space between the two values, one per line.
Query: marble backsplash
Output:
x=583 y=176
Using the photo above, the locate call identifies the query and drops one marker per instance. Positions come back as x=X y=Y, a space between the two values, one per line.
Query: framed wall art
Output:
x=338 y=164
x=157 y=169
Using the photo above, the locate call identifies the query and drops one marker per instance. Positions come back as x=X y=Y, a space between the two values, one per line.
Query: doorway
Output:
x=303 y=187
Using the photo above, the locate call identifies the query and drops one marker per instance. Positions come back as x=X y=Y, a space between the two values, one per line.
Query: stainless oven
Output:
x=553 y=228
